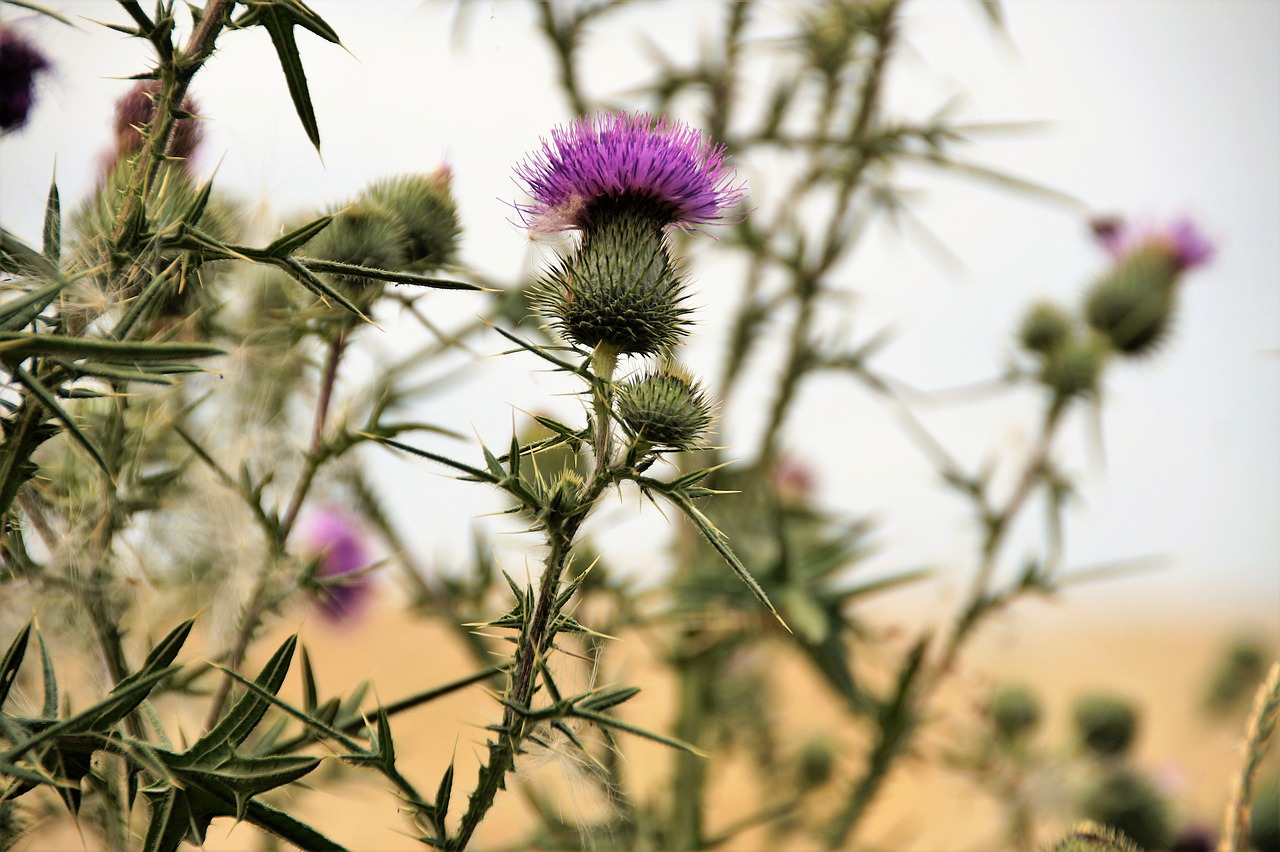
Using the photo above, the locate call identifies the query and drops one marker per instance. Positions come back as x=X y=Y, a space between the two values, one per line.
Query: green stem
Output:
x=604 y=360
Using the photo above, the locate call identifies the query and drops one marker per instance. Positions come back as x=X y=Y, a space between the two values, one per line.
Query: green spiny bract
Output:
x=428 y=214
x=1106 y=724
x=620 y=289
x=1090 y=837
x=1132 y=306
x=665 y=408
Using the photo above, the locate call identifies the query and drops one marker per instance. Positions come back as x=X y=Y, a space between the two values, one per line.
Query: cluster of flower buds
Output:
x=1128 y=311
x=406 y=224
x=622 y=182
x=20 y=62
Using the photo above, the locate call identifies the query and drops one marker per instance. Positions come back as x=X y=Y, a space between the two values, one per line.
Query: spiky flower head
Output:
x=20 y=62
x=1045 y=328
x=1014 y=710
x=137 y=108
x=1106 y=724
x=1127 y=802
x=1091 y=837
x=665 y=408
x=669 y=168
x=334 y=538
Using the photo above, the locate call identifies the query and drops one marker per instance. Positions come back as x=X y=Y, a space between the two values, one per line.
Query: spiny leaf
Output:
x=41 y=393
x=25 y=344
x=16 y=313
x=13 y=661
x=279 y=25
x=285 y=245
x=240 y=721
x=53 y=225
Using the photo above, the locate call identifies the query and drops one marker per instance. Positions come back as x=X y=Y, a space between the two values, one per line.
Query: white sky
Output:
x=1157 y=108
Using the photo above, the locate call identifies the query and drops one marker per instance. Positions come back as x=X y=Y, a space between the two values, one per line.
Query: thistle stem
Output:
x=604 y=360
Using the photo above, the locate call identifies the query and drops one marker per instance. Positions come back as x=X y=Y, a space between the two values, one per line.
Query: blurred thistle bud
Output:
x=1195 y=838
x=1236 y=677
x=666 y=408
x=622 y=181
x=1133 y=304
x=793 y=482
x=1045 y=328
x=1091 y=837
x=427 y=211
x=334 y=539
x=1106 y=724
x=20 y=63
x=1127 y=802
x=1014 y=710
x=364 y=234
x=1264 y=817
x=815 y=763
x=135 y=111
x=1073 y=369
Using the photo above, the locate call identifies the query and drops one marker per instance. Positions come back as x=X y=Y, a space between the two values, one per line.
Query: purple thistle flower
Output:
x=1182 y=239
x=666 y=164
x=20 y=62
x=137 y=107
x=333 y=537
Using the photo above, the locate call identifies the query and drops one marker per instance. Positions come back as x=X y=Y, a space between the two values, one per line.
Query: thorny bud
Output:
x=364 y=234
x=816 y=762
x=428 y=214
x=1132 y=305
x=1106 y=724
x=1045 y=328
x=1073 y=369
x=665 y=408
x=1014 y=710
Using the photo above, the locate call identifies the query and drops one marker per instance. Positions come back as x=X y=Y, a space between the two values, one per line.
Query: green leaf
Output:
x=443 y=792
x=279 y=25
x=283 y=246
x=41 y=393
x=50 y=708
x=16 y=313
x=25 y=344
x=240 y=721
x=144 y=300
x=41 y=10
x=618 y=724
x=53 y=225
x=13 y=661
x=307 y=279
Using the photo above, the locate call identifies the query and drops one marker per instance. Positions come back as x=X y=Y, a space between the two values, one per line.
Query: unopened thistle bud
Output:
x=621 y=181
x=364 y=234
x=1073 y=369
x=428 y=214
x=1014 y=711
x=1127 y=802
x=20 y=62
x=665 y=409
x=1133 y=304
x=1106 y=724
x=1046 y=327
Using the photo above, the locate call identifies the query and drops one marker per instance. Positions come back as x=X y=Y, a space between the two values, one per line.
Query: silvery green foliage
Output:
x=115 y=433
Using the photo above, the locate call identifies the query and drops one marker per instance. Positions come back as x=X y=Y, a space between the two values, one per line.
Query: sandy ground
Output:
x=1162 y=664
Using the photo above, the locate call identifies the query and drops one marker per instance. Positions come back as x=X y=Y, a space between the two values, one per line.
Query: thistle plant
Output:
x=188 y=412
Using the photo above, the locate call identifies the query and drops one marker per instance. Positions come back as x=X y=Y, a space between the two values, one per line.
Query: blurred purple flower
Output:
x=1195 y=838
x=20 y=62
x=136 y=108
x=333 y=537
x=673 y=168
x=1182 y=238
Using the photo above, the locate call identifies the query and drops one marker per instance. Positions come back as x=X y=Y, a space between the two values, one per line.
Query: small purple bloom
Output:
x=1184 y=241
x=333 y=537
x=20 y=62
x=136 y=109
x=616 y=156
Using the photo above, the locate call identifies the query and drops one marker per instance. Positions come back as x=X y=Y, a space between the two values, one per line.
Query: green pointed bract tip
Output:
x=665 y=408
x=428 y=214
x=620 y=288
